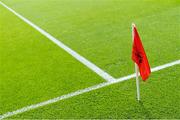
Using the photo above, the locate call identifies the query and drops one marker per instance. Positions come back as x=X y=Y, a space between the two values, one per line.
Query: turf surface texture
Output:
x=33 y=69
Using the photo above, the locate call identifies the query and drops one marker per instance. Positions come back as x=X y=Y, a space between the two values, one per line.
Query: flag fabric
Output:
x=139 y=55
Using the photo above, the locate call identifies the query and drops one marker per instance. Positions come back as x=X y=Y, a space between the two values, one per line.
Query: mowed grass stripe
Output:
x=33 y=69
x=165 y=49
x=82 y=91
x=100 y=30
x=159 y=95
x=77 y=56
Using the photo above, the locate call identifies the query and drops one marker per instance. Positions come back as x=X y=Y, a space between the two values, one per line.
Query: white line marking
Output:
x=90 y=65
x=154 y=69
x=82 y=91
x=165 y=66
x=80 y=58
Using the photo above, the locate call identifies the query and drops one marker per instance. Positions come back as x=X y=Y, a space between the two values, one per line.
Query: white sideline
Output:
x=156 y=68
x=34 y=106
x=80 y=58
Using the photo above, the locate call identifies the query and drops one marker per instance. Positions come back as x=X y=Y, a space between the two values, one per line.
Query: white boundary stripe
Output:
x=155 y=68
x=80 y=58
x=165 y=66
x=82 y=91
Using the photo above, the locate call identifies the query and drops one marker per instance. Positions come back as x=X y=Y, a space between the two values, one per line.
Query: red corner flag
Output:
x=139 y=55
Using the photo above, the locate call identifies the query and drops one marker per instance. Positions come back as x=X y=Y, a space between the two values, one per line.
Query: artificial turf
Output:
x=160 y=99
x=33 y=69
x=100 y=30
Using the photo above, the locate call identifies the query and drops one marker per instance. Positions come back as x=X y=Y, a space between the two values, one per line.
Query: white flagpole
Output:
x=136 y=68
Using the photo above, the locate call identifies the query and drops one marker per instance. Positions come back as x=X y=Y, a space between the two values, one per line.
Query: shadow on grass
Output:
x=144 y=111
x=138 y=111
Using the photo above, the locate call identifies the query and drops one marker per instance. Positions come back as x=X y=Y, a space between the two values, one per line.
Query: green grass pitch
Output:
x=33 y=69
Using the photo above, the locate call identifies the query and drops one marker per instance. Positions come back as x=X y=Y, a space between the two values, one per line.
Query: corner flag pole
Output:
x=136 y=68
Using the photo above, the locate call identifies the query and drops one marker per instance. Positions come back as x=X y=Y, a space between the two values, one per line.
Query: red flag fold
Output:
x=139 y=55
